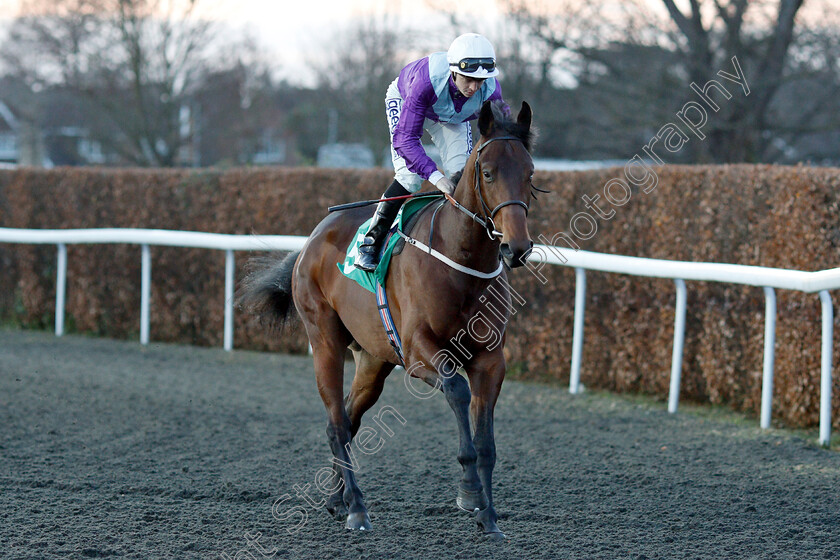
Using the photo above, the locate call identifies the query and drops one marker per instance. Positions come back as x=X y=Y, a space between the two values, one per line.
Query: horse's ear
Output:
x=524 y=117
x=485 y=119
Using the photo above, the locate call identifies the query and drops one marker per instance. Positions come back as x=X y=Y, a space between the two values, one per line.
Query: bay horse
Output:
x=431 y=304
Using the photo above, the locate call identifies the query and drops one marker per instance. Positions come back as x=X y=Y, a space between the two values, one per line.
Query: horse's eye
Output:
x=488 y=176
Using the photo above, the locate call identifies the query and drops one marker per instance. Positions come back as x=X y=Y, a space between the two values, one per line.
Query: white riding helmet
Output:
x=472 y=55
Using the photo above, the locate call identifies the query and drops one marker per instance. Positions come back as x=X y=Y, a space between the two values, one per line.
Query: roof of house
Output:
x=8 y=122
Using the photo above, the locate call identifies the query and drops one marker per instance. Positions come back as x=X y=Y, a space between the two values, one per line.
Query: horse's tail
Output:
x=266 y=290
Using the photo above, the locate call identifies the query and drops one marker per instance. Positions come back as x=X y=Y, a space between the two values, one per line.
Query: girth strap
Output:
x=388 y=322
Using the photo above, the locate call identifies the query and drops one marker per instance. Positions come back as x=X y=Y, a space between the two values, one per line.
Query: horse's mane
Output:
x=505 y=125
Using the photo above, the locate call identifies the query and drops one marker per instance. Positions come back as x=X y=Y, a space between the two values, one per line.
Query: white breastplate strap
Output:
x=449 y=262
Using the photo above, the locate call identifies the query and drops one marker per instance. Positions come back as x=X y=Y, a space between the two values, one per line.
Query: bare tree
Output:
x=704 y=36
x=355 y=72
x=803 y=118
x=586 y=71
x=137 y=61
x=759 y=35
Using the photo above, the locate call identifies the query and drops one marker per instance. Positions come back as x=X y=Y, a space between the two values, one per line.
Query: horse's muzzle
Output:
x=515 y=253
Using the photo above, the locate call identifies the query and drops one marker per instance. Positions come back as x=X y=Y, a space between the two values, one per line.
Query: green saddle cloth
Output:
x=368 y=280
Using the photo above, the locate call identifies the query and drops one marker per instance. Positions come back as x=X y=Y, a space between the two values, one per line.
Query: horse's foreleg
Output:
x=486 y=384
x=457 y=392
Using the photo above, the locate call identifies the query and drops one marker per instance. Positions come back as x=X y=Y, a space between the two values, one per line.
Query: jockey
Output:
x=440 y=93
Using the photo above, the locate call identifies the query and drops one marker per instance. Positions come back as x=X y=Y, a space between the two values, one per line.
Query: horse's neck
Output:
x=465 y=240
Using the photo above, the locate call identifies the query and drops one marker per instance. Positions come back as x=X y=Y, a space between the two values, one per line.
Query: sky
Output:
x=292 y=29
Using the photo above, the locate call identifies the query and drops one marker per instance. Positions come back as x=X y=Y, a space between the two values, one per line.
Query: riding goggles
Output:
x=473 y=64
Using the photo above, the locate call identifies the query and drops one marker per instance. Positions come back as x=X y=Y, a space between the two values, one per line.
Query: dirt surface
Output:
x=110 y=449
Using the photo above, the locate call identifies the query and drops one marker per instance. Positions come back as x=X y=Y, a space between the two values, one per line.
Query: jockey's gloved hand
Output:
x=445 y=186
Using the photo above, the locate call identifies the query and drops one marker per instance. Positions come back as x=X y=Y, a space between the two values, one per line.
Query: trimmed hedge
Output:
x=783 y=217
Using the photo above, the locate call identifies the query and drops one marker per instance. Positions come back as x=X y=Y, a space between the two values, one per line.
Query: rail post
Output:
x=679 y=342
x=229 y=280
x=769 y=356
x=145 y=293
x=60 y=289
x=825 y=373
x=577 y=336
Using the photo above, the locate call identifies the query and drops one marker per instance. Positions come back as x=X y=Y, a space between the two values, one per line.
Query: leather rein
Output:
x=486 y=220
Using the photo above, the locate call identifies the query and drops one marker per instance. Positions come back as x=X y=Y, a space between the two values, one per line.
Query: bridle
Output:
x=486 y=219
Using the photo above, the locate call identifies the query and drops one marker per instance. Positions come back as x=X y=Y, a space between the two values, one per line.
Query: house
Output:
x=66 y=126
x=345 y=155
x=45 y=129
x=9 y=152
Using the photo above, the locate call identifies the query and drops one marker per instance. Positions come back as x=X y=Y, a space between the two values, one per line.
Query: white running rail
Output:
x=145 y=238
x=767 y=278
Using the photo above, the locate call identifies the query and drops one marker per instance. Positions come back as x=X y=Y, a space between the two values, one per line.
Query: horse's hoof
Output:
x=486 y=520
x=471 y=500
x=358 y=522
x=337 y=510
x=496 y=536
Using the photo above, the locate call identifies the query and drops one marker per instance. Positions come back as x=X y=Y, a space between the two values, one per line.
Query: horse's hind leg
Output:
x=367 y=387
x=329 y=340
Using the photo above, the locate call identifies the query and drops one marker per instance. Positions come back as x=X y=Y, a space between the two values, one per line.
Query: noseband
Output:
x=486 y=219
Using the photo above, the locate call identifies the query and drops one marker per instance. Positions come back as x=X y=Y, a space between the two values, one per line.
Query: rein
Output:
x=486 y=221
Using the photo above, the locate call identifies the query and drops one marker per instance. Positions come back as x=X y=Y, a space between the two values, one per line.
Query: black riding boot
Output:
x=384 y=216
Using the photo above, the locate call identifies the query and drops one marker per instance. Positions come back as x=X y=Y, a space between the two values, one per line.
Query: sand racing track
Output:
x=112 y=449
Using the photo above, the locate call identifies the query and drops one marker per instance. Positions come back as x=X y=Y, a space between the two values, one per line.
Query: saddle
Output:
x=405 y=221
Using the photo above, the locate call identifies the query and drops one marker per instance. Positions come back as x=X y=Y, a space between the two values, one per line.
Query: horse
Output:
x=481 y=226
